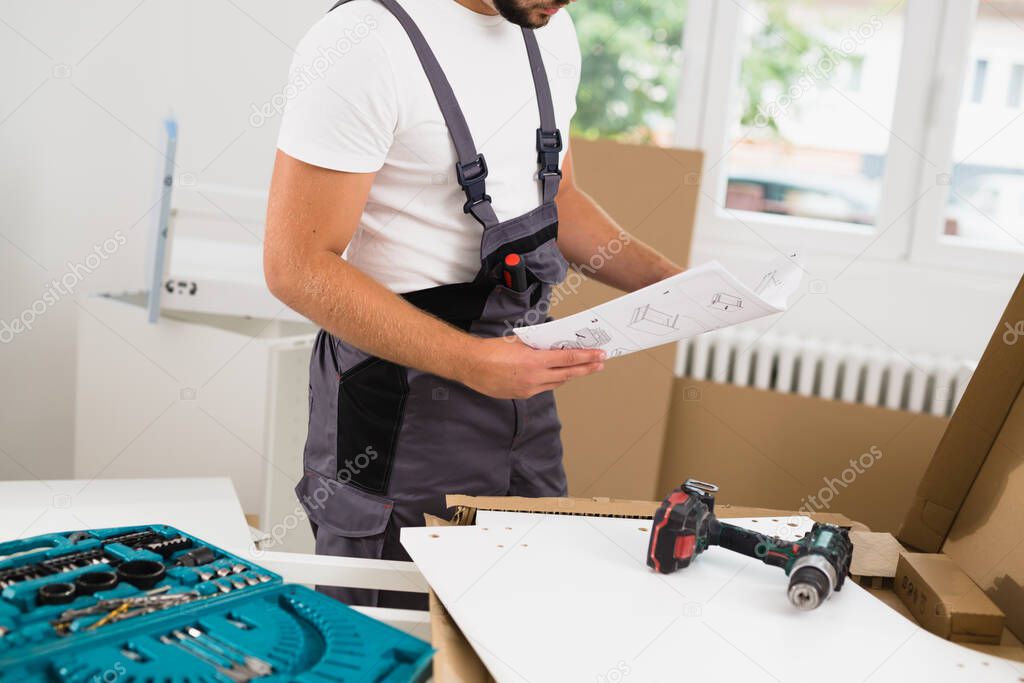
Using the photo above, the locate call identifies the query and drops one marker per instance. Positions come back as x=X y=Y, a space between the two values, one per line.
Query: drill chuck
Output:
x=811 y=582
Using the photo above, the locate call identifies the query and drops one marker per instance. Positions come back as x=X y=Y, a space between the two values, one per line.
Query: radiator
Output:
x=826 y=369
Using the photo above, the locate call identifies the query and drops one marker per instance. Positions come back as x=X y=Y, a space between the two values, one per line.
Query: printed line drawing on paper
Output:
x=648 y=319
x=587 y=338
x=726 y=302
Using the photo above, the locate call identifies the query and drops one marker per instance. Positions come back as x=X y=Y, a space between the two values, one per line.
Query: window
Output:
x=978 y=90
x=986 y=183
x=879 y=128
x=632 y=51
x=1013 y=93
x=803 y=142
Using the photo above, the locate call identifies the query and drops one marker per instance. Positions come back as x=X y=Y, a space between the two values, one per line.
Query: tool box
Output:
x=151 y=603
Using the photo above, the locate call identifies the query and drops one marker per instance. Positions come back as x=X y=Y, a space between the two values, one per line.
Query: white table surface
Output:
x=204 y=507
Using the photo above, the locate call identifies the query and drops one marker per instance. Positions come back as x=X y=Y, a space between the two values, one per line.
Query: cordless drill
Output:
x=685 y=526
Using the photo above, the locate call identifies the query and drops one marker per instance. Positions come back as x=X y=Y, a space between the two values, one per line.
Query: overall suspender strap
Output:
x=549 y=138
x=471 y=167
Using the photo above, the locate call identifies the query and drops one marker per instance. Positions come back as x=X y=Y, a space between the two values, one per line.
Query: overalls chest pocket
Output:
x=508 y=308
x=533 y=237
x=546 y=263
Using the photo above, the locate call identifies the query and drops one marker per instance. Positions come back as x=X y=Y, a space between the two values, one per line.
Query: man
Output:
x=390 y=158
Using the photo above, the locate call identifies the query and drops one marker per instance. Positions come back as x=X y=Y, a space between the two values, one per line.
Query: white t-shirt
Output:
x=362 y=103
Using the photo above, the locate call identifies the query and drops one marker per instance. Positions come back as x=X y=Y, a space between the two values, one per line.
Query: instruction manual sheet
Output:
x=698 y=300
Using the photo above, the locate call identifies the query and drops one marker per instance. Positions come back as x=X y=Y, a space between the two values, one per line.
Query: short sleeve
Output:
x=341 y=104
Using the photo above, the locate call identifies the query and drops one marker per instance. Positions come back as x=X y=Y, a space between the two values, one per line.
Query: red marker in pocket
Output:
x=515 y=273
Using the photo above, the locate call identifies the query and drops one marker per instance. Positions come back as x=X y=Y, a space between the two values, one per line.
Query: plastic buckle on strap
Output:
x=549 y=145
x=471 y=178
x=549 y=141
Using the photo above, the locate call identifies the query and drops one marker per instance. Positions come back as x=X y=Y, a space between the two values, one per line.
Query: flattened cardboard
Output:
x=945 y=600
x=787 y=451
x=987 y=538
x=613 y=422
x=466 y=507
x=972 y=431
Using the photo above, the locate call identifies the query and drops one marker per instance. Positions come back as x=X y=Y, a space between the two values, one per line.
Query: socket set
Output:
x=153 y=603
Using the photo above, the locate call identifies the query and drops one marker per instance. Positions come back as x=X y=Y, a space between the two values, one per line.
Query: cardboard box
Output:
x=970 y=502
x=987 y=538
x=977 y=424
x=1008 y=648
x=466 y=508
x=945 y=601
x=787 y=451
x=613 y=447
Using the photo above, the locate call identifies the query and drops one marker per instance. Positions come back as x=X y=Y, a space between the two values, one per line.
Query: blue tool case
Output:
x=151 y=603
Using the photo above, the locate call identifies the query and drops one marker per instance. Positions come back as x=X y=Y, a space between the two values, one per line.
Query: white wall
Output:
x=83 y=89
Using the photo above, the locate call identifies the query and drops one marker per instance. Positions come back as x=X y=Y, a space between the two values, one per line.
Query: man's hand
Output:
x=508 y=368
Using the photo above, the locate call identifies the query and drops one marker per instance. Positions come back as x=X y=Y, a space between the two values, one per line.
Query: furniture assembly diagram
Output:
x=586 y=338
x=652 y=321
x=676 y=308
x=726 y=302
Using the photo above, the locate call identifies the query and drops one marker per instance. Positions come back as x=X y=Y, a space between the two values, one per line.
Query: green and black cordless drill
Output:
x=685 y=526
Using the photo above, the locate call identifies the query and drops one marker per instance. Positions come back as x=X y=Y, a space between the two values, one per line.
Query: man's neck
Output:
x=478 y=6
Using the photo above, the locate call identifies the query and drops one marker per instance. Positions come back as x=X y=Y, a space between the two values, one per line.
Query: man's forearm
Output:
x=591 y=240
x=349 y=304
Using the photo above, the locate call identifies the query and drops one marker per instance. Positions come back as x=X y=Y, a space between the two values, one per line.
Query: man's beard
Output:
x=521 y=13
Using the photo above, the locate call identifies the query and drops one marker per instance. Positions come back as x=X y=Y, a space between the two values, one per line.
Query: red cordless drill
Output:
x=685 y=526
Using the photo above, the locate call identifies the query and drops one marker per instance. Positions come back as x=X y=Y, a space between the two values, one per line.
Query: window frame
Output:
x=951 y=73
x=932 y=76
x=1015 y=87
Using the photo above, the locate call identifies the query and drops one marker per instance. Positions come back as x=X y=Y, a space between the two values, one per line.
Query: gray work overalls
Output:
x=386 y=442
